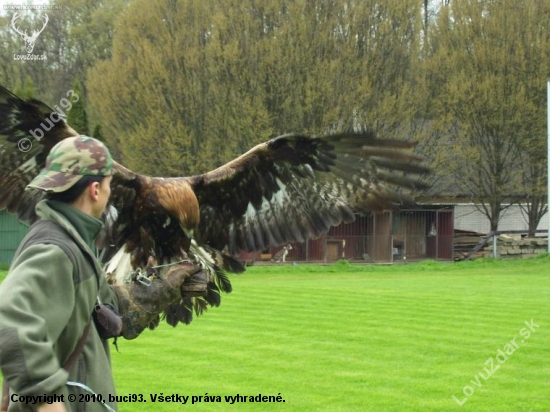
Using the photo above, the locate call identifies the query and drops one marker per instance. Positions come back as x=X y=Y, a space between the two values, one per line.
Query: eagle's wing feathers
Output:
x=22 y=155
x=296 y=187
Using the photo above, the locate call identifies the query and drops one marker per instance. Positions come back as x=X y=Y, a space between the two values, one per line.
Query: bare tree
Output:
x=478 y=60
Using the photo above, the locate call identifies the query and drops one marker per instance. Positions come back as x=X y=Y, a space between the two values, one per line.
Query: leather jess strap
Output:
x=5 y=396
x=69 y=363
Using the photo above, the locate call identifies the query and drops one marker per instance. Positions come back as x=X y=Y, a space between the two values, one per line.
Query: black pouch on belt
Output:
x=107 y=321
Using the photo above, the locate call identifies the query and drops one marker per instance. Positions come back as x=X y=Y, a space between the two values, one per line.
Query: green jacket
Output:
x=45 y=304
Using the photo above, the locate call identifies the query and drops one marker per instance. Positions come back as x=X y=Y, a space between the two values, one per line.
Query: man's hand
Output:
x=52 y=407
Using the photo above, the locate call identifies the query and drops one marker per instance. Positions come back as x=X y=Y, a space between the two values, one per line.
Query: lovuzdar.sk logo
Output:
x=29 y=40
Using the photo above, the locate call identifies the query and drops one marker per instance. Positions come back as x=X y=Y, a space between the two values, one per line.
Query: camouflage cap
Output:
x=70 y=160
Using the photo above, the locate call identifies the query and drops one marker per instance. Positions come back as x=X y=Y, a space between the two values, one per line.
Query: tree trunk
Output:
x=535 y=210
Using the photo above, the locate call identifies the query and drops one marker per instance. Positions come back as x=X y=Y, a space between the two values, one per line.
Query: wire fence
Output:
x=380 y=237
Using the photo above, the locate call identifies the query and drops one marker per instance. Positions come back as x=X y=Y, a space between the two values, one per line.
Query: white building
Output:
x=468 y=217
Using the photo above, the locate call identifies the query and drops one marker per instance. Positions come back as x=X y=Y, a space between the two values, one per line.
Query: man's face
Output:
x=103 y=196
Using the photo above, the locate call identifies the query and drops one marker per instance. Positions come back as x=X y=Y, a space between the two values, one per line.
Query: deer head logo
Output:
x=28 y=39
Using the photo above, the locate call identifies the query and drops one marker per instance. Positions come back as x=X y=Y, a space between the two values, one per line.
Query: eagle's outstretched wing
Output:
x=288 y=189
x=293 y=188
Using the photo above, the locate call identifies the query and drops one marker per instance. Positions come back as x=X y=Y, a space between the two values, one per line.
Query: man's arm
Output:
x=37 y=302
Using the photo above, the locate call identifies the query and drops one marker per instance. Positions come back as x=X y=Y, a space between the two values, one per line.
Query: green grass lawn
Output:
x=364 y=338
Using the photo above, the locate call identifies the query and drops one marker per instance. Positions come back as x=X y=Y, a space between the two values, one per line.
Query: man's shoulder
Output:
x=48 y=232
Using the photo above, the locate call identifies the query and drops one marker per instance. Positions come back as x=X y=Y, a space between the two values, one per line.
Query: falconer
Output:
x=49 y=346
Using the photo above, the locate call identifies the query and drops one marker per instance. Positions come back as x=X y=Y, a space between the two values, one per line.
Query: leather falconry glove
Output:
x=140 y=303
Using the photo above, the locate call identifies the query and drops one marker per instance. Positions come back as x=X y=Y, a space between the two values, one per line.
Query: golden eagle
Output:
x=288 y=189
